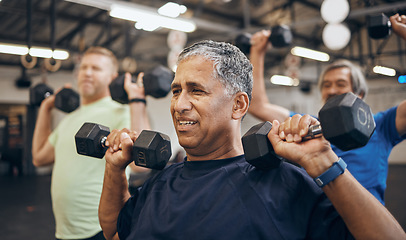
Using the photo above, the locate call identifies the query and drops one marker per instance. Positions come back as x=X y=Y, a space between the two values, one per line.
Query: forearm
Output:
x=258 y=91
x=139 y=117
x=260 y=106
x=40 y=137
x=114 y=196
x=365 y=216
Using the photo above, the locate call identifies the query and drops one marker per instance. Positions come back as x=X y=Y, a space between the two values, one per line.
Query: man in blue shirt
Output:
x=215 y=193
x=368 y=164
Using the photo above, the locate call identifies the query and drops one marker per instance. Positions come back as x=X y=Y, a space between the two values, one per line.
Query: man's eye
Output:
x=197 y=91
x=175 y=91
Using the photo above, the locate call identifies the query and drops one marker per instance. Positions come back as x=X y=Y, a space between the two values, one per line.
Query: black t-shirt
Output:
x=230 y=199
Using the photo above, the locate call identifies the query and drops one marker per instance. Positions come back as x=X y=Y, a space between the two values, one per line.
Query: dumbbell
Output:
x=379 y=26
x=345 y=120
x=281 y=36
x=151 y=149
x=39 y=92
x=66 y=100
x=157 y=83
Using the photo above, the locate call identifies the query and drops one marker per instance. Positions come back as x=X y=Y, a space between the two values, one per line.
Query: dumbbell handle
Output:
x=47 y=94
x=313 y=132
x=103 y=141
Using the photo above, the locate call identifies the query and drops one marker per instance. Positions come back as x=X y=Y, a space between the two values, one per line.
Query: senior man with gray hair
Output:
x=215 y=193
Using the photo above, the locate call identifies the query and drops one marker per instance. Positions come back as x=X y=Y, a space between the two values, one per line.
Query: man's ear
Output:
x=361 y=95
x=240 y=107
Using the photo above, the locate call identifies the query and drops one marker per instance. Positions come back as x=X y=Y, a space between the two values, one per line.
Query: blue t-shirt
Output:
x=369 y=164
x=230 y=199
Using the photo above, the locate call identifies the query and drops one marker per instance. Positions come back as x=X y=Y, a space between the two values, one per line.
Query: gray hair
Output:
x=231 y=67
x=359 y=84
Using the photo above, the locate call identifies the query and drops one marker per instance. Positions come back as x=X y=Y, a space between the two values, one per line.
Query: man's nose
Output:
x=332 y=90
x=182 y=102
x=88 y=71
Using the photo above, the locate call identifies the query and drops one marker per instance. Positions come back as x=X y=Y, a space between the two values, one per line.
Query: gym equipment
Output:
x=151 y=149
x=345 y=120
x=157 y=83
x=39 y=92
x=66 y=100
x=379 y=26
x=281 y=36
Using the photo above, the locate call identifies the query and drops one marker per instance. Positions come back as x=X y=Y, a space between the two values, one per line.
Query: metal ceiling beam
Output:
x=79 y=27
x=354 y=14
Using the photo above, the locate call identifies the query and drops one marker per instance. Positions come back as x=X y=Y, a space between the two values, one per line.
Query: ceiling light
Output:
x=384 y=71
x=334 y=11
x=336 y=36
x=33 y=51
x=284 y=80
x=308 y=53
x=40 y=52
x=13 y=49
x=171 y=9
x=135 y=14
x=146 y=26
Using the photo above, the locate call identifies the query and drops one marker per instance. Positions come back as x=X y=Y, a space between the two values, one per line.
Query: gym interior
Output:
x=25 y=203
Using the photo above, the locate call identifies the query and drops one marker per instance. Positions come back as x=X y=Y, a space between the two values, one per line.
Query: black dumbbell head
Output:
x=89 y=140
x=257 y=148
x=281 y=36
x=152 y=150
x=347 y=121
x=39 y=92
x=379 y=26
x=157 y=82
x=117 y=90
x=67 y=100
x=242 y=41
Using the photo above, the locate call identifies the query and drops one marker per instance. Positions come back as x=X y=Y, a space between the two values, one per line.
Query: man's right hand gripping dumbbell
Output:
x=150 y=149
x=345 y=121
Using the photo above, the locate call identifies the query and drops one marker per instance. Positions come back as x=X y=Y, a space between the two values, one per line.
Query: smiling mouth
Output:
x=185 y=123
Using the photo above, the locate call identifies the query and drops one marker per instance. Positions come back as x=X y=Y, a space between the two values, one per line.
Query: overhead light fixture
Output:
x=33 y=51
x=284 y=80
x=13 y=49
x=309 y=53
x=336 y=36
x=384 y=71
x=149 y=17
x=171 y=9
x=334 y=11
x=146 y=26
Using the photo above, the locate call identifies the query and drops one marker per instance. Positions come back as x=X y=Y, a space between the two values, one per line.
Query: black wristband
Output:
x=137 y=100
